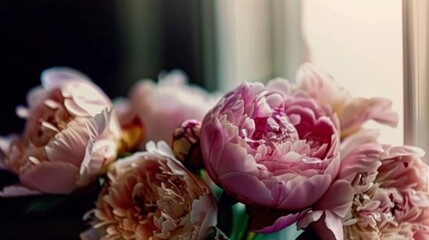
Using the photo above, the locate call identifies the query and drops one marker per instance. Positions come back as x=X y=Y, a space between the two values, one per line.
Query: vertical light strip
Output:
x=289 y=48
x=139 y=24
x=256 y=40
x=416 y=65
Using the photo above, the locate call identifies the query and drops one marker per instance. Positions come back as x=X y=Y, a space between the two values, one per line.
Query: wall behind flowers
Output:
x=360 y=44
x=42 y=34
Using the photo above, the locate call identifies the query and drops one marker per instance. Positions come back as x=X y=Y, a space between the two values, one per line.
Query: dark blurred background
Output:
x=113 y=42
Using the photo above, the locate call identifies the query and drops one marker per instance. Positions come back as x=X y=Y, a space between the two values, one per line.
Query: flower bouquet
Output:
x=278 y=160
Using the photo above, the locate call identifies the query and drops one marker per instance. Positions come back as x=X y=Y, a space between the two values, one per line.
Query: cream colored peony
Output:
x=71 y=134
x=397 y=205
x=151 y=195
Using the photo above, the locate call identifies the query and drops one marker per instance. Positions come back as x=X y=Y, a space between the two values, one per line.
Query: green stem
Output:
x=250 y=235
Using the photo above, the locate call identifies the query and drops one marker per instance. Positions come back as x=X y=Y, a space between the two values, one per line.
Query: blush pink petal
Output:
x=18 y=191
x=41 y=177
x=359 y=138
x=280 y=86
x=89 y=98
x=92 y=162
x=338 y=198
x=69 y=145
x=360 y=110
x=320 y=85
x=54 y=77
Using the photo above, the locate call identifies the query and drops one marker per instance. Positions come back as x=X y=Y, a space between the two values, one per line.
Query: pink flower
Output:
x=164 y=106
x=360 y=154
x=271 y=149
x=352 y=112
x=151 y=195
x=397 y=205
x=71 y=133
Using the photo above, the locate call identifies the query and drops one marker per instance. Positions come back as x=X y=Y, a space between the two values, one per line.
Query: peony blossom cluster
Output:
x=174 y=161
x=71 y=134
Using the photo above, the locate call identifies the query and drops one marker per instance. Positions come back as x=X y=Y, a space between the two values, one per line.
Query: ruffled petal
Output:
x=41 y=177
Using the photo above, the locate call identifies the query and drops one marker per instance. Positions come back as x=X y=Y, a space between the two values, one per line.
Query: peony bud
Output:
x=186 y=143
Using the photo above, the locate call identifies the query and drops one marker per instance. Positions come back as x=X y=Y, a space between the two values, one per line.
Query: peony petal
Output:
x=90 y=234
x=51 y=177
x=56 y=76
x=320 y=86
x=338 y=198
x=95 y=127
x=309 y=218
x=160 y=147
x=311 y=189
x=280 y=85
x=86 y=99
x=360 y=110
x=405 y=150
x=204 y=214
x=359 y=138
x=234 y=158
x=69 y=145
x=211 y=143
x=18 y=191
x=247 y=188
x=329 y=227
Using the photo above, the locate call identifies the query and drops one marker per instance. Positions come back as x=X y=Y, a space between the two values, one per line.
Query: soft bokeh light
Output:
x=360 y=44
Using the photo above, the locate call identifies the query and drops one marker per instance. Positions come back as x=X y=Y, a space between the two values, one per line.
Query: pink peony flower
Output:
x=164 y=106
x=273 y=150
x=151 y=195
x=71 y=133
x=352 y=112
x=360 y=154
x=397 y=205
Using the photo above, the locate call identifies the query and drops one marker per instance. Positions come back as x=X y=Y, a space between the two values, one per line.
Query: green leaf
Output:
x=225 y=213
x=240 y=222
x=43 y=204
